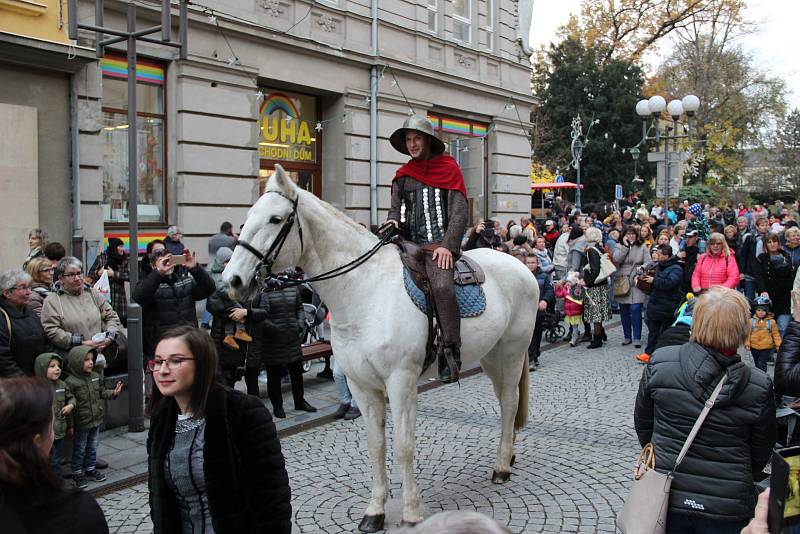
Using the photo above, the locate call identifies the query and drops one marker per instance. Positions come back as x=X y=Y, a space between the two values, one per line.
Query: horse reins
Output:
x=263 y=269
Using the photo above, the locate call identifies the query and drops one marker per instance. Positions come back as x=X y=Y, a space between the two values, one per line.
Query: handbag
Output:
x=645 y=286
x=607 y=267
x=622 y=286
x=645 y=509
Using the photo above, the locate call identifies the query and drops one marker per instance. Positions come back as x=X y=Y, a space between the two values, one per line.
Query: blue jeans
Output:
x=56 y=453
x=749 y=289
x=688 y=524
x=345 y=397
x=760 y=358
x=84 y=450
x=631 y=316
x=783 y=321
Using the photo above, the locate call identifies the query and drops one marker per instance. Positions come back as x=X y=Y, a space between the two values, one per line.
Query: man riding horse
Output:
x=429 y=207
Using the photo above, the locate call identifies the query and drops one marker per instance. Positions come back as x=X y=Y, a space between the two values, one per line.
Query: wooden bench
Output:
x=318 y=349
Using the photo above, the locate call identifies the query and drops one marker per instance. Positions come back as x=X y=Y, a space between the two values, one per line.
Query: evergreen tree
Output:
x=574 y=80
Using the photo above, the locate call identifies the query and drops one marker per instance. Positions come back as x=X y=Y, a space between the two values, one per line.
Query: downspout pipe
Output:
x=77 y=229
x=373 y=121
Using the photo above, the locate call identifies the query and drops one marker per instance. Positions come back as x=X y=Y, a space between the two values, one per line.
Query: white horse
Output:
x=378 y=335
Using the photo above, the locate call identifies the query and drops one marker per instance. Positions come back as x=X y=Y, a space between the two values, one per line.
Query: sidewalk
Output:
x=126 y=455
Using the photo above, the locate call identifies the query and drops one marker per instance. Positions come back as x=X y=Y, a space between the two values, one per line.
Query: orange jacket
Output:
x=764 y=334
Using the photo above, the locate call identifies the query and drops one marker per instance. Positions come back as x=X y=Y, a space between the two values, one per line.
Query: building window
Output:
x=291 y=135
x=486 y=23
x=433 y=16
x=462 y=20
x=150 y=132
x=465 y=141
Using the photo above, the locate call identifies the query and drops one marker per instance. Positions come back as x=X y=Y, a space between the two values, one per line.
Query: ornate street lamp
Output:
x=650 y=111
x=579 y=142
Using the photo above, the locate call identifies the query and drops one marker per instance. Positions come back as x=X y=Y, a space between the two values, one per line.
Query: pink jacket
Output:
x=571 y=307
x=715 y=271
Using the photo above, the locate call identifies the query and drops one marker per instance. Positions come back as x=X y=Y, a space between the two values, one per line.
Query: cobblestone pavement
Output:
x=574 y=459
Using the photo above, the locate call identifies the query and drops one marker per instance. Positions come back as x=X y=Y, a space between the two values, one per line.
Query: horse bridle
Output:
x=266 y=260
x=263 y=269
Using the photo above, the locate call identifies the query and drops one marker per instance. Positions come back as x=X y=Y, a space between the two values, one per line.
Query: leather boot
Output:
x=230 y=342
x=241 y=335
x=450 y=368
x=596 y=343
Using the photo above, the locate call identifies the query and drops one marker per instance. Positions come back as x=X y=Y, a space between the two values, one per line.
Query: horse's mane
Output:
x=337 y=214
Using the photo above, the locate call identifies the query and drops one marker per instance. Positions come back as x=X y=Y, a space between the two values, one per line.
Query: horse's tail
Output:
x=521 y=419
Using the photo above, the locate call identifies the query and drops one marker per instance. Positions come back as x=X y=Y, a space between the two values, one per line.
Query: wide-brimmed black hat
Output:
x=416 y=123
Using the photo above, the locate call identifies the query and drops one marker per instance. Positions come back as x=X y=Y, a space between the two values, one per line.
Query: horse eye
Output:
x=275 y=219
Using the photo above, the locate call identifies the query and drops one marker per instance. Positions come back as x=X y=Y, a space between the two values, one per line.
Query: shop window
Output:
x=465 y=141
x=291 y=135
x=462 y=20
x=150 y=132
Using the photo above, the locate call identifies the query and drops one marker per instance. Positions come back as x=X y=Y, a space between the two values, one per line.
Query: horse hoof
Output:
x=513 y=459
x=372 y=523
x=405 y=523
x=500 y=477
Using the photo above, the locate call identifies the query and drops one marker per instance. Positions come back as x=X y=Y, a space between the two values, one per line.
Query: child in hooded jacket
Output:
x=48 y=366
x=572 y=291
x=765 y=336
x=87 y=387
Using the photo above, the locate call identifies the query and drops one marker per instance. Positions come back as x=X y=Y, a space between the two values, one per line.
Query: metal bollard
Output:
x=135 y=369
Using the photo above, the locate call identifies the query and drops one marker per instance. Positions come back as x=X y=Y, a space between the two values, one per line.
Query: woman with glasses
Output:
x=41 y=273
x=22 y=338
x=214 y=460
x=76 y=313
x=716 y=266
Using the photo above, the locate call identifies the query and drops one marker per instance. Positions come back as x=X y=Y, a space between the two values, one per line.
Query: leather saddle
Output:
x=466 y=271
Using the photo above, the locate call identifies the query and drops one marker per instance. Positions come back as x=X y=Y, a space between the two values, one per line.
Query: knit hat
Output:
x=696 y=209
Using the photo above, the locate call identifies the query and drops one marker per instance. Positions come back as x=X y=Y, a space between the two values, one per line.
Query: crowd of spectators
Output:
x=56 y=325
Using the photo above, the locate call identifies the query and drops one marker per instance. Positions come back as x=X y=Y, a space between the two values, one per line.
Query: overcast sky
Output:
x=774 y=47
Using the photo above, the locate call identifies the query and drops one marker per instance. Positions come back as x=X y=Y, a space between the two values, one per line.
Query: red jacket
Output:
x=571 y=307
x=715 y=271
x=551 y=237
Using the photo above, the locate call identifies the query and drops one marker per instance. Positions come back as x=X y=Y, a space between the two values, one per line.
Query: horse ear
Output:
x=280 y=181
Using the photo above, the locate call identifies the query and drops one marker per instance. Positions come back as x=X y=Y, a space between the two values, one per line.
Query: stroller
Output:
x=551 y=325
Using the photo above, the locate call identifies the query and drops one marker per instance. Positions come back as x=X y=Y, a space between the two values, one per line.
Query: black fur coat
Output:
x=246 y=479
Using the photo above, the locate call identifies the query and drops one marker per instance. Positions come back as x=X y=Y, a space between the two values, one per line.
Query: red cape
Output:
x=442 y=172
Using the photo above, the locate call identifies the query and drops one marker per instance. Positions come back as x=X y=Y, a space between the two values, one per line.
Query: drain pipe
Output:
x=77 y=229
x=373 y=122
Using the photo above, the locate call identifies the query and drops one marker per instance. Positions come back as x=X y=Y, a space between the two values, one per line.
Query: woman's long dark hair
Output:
x=26 y=409
x=205 y=357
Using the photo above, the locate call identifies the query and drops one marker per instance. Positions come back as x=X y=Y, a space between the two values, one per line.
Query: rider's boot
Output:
x=450 y=368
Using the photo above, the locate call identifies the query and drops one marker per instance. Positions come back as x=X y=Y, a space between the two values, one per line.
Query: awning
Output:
x=556 y=185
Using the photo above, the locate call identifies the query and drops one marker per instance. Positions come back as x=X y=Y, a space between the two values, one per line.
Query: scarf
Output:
x=441 y=172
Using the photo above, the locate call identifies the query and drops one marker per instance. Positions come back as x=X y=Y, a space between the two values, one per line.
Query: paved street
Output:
x=573 y=459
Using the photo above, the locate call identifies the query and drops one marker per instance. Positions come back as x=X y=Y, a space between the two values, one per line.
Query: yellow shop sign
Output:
x=287 y=123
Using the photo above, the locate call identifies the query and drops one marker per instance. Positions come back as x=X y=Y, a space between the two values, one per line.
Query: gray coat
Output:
x=575 y=255
x=628 y=259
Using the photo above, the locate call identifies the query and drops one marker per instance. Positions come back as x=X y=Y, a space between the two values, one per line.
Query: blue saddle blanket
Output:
x=471 y=299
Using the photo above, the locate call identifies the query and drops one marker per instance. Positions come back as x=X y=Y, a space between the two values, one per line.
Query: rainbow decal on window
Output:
x=143 y=239
x=279 y=102
x=456 y=126
x=146 y=72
